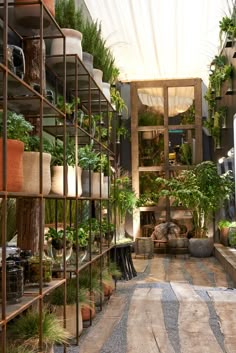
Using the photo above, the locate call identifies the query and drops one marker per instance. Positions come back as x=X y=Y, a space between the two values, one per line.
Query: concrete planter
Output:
x=201 y=247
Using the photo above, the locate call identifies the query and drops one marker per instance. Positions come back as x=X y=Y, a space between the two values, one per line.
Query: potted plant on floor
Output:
x=73 y=296
x=25 y=330
x=202 y=191
x=18 y=130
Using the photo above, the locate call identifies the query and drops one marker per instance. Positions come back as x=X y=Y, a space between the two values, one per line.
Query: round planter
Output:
x=71 y=318
x=201 y=247
x=15 y=151
x=74 y=173
x=105 y=187
x=86 y=185
x=106 y=90
x=73 y=40
x=88 y=62
x=97 y=75
x=89 y=312
x=58 y=181
x=97 y=183
x=31 y=173
x=224 y=236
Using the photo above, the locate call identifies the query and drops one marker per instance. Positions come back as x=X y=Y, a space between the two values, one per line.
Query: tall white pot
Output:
x=58 y=181
x=73 y=40
x=31 y=173
x=105 y=187
x=97 y=184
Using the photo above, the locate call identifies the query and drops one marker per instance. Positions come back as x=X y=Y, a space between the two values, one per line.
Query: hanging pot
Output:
x=31 y=173
x=15 y=151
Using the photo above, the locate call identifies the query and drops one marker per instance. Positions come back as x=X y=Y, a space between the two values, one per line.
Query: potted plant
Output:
x=25 y=331
x=89 y=160
x=31 y=166
x=228 y=27
x=124 y=200
x=202 y=191
x=73 y=171
x=224 y=226
x=69 y=108
x=73 y=296
x=55 y=242
x=18 y=130
x=80 y=238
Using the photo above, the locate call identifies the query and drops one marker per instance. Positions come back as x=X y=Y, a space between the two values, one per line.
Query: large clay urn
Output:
x=14 y=171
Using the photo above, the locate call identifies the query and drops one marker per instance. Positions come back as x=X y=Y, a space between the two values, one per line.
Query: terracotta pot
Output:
x=73 y=44
x=31 y=172
x=50 y=5
x=70 y=318
x=224 y=236
x=89 y=312
x=15 y=151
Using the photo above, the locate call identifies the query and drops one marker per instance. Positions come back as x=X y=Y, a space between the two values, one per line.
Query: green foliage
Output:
x=186 y=153
x=118 y=101
x=150 y=118
x=25 y=330
x=188 y=117
x=201 y=190
x=122 y=196
x=232 y=236
x=56 y=236
x=224 y=223
x=228 y=26
x=88 y=157
x=17 y=127
x=83 y=234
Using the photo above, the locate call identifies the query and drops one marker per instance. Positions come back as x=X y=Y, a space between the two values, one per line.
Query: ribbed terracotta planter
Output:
x=224 y=236
x=89 y=312
x=31 y=172
x=73 y=40
x=50 y=4
x=15 y=151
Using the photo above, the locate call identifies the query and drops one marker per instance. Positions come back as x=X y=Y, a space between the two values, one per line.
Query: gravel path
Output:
x=117 y=341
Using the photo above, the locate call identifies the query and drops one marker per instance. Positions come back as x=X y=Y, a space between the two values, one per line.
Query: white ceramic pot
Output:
x=86 y=174
x=97 y=183
x=88 y=62
x=73 y=40
x=58 y=181
x=73 y=173
x=97 y=75
x=31 y=173
x=106 y=90
x=105 y=187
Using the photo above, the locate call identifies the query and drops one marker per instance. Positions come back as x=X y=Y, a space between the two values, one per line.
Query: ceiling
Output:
x=161 y=39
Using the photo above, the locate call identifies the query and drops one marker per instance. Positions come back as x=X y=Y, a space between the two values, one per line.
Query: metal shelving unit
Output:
x=18 y=96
